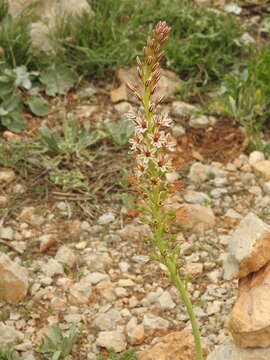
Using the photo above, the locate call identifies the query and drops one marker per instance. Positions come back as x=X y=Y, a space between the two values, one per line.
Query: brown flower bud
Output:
x=149 y=60
x=139 y=71
x=138 y=60
x=131 y=87
x=160 y=56
x=155 y=67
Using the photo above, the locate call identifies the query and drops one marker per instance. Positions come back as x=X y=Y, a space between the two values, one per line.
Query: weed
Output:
x=15 y=38
x=203 y=43
x=56 y=344
x=119 y=132
x=127 y=355
x=9 y=354
x=3 y=9
x=69 y=179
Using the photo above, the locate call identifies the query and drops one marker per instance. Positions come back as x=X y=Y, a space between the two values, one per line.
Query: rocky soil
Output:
x=98 y=276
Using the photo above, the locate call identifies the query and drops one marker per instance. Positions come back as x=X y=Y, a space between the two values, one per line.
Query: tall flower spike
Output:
x=150 y=146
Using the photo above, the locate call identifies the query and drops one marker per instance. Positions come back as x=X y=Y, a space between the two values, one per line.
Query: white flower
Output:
x=135 y=141
x=145 y=155
x=157 y=139
x=163 y=120
x=170 y=142
x=141 y=125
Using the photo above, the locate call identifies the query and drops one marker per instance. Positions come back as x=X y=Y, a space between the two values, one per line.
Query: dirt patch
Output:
x=224 y=142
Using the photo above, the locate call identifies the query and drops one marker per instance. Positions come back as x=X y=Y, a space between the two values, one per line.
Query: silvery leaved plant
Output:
x=150 y=147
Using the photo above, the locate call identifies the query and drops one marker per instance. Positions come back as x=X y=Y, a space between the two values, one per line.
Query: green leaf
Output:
x=38 y=105
x=58 y=80
x=50 y=139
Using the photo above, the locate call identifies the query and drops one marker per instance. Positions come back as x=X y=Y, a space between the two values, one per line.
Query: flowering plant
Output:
x=149 y=146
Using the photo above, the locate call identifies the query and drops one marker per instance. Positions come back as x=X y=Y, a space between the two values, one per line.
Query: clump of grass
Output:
x=203 y=44
x=15 y=38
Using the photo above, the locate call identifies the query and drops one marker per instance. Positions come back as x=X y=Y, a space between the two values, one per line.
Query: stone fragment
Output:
x=108 y=320
x=119 y=94
x=47 y=241
x=249 y=321
x=96 y=277
x=106 y=218
x=177 y=345
x=123 y=107
x=255 y=157
x=194 y=269
x=153 y=322
x=165 y=301
x=66 y=256
x=199 y=217
x=262 y=168
x=3 y=200
x=52 y=267
x=202 y=121
x=135 y=332
x=9 y=336
x=196 y=197
x=249 y=247
x=169 y=82
x=6 y=233
x=230 y=351
x=6 y=176
x=112 y=340
x=106 y=290
x=13 y=280
x=180 y=109
x=198 y=172
x=178 y=130
x=80 y=292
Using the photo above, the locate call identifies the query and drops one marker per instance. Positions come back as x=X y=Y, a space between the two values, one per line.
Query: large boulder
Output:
x=249 y=247
x=249 y=321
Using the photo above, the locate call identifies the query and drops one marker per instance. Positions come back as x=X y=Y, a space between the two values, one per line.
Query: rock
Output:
x=202 y=121
x=47 y=13
x=108 y=320
x=196 y=197
x=66 y=256
x=177 y=345
x=180 y=108
x=119 y=94
x=3 y=200
x=153 y=322
x=6 y=176
x=80 y=292
x=249 y=247
x=96 y=277
x=13 y=281
x=6 y=233
x=106 y=218
x=198 y=172
x=106 y=290
x=169 y=82
x=178 y=130
x=199 y=217
x=97 y=262
x=73 y=318
x=52 y=267
x=26 y=213
x=230 y=351
x=233 y=8
x=262 y=168
x=249 y=321
x=9 y=336
x=194 y=269
x=85 y=111
x=47 y=241
x=123 y=107
x=165 y=301
x=255 y=157
x=135 y=332
x=112 y=340
x=266 y=187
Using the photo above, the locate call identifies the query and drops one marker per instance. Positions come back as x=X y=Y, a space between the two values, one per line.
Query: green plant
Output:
x=3 y=9
x=245 y=102
x=69 y=179
x=150 y=145
x=126 y=355
x=14 y=83
x=209 y=41
x=15 y=37
x=75 y=138
x=9 y=354
x=58 y=80
x=56 y=344
x=119 y=132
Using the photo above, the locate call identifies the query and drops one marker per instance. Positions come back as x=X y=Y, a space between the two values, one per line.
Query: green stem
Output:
x=185 y=297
